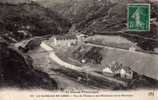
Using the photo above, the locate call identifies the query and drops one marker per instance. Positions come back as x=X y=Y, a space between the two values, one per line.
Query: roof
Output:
x=142 y=63
x=66 y=37
x=115 y=66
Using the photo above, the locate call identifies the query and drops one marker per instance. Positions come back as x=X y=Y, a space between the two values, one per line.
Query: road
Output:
x=103 y=46
x=141 y=62
x=43 y=62
x=53 y=56
x=79 y=71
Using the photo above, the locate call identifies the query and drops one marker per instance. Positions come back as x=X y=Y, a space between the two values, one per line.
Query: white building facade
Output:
x=66 y=40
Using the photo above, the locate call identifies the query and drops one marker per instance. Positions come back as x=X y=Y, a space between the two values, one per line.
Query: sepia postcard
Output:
x=78 y=49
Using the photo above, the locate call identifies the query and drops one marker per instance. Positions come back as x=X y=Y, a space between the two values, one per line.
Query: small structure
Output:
x=28 y=44
x=118 y=69
x=126 y=73
x=133 y=48
x=66 y=40
x=108 y=72
x=81 y=37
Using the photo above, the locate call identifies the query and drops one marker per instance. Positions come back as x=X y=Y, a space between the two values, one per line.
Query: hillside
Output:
x=16 y=71
x=19 y=21
x=97 y=16
x=23 y=20
x=145 y=76
x=107 y=16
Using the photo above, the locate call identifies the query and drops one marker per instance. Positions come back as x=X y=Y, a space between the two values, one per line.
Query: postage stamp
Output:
x=138 y=17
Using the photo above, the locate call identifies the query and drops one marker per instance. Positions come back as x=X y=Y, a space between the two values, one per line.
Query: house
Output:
x=28 y=44
x=126 y=73
x=81 y=37
x=66 y=40
x=133 y=48
x=118 y=69
x=108 y=72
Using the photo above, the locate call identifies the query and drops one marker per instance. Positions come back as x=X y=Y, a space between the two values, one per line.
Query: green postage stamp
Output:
x=138 y=17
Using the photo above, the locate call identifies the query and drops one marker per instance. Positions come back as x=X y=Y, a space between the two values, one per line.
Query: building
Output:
x=118 y=69
x=133 y=48
x=66 y=40
x=126 y=73
x=108 y=72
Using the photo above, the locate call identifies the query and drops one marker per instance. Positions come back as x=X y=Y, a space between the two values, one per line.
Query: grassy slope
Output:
x=42 y=21
x=16 y=69
x=100 y=18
